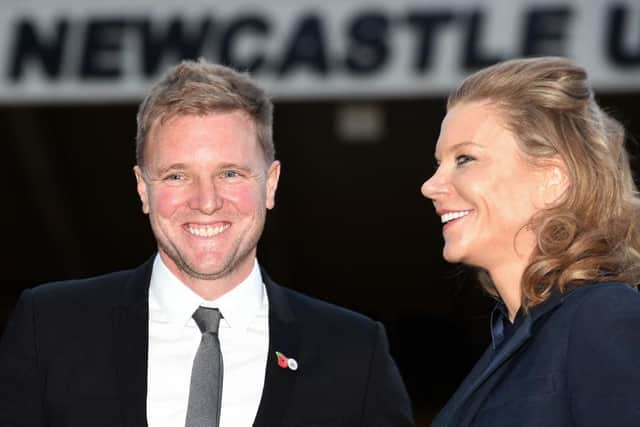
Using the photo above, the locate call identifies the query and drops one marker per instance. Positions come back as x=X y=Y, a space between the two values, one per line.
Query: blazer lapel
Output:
x=284 y=337
x=131 y=336
x=492 y=371
x=493 y=361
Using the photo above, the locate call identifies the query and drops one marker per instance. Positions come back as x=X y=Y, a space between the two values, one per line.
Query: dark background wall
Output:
x=350 y=225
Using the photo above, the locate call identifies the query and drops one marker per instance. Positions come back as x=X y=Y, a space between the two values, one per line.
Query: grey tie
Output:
x=205 y=392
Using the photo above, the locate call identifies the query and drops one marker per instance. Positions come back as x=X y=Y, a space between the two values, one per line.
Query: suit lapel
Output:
x=284 y=337
x=493 y=361
x=131 y=336
x=490 y=373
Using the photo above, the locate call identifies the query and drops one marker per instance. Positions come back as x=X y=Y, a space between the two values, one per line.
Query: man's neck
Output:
x=212 y=289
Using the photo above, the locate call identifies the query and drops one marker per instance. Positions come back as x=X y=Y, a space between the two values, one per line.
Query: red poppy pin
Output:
x=286 y=362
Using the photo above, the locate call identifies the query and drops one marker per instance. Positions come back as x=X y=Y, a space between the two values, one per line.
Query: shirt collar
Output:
x=498 y=317
x=241 y=304
x=171 y=301
x=501 y=327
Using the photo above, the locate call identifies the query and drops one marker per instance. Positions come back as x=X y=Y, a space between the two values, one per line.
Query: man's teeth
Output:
x=207 y=231
x=449 y=216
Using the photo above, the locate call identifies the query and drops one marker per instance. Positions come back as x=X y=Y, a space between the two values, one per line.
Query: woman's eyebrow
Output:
x=459 y=145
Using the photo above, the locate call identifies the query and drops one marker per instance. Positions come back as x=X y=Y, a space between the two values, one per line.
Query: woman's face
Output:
x=483 y=190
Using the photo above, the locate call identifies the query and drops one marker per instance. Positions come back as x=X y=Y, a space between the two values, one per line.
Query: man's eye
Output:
x=173 y=177
x=230 y=174
x=462 y=159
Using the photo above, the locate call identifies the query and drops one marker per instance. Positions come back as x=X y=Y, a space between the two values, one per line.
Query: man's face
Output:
x=206 y=187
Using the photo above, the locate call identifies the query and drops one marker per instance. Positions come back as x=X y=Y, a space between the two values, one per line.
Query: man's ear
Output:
x=273 y=175
x=141 y=187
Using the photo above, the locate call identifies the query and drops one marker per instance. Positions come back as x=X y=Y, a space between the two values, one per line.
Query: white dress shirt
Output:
x=174 y=338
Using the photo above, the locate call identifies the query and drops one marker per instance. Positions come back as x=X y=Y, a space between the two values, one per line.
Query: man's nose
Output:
x=206 y=197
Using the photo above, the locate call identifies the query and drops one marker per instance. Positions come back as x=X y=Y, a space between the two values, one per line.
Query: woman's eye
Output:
x=462 y=159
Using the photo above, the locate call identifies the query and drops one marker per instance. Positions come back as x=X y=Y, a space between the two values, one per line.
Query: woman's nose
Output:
x=434 y=186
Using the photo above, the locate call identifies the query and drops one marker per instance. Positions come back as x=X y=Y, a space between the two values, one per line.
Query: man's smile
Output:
x=204 y=230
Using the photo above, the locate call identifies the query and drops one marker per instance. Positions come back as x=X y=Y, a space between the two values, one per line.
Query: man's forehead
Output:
x=163 y=118
x=168 y=120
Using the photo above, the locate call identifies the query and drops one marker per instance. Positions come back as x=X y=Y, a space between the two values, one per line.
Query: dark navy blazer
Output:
x=574 y=361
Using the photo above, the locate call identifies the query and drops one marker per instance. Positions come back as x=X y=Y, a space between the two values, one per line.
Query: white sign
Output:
x=112 y=51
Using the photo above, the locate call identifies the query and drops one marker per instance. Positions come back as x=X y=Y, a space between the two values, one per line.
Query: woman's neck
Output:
x=507 y=280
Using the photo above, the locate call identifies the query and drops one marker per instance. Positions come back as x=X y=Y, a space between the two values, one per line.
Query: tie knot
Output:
x=207 y=319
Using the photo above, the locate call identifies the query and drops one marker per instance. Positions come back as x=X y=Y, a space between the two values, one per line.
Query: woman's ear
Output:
x=556 y=180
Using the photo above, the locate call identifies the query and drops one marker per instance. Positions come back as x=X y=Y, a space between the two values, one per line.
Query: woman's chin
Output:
x=451 y=255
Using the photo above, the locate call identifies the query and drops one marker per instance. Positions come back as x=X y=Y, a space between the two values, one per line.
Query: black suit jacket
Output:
x=74 y=354
x=574 y=362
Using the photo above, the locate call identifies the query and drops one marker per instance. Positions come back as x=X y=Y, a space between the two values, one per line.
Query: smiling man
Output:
x=206 y=186
x=198 y=335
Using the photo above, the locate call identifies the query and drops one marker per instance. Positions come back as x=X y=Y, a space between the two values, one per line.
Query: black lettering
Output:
x=473 y=57
x=30 y=46
x=617 y=27
x=368 y=50
x=306 y=48
x=246 y=24
x=175 y=42
x=103 y=43
x=545 y=31
x=426 y=25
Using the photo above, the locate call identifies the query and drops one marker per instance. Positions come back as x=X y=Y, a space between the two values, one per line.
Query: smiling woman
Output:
x=534 y=190
x=485 y=192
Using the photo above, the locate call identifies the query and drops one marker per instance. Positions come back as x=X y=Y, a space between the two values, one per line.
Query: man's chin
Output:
x=206 y=272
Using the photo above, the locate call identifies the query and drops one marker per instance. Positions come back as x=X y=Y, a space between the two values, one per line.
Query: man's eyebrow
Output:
x=231 y=165
x=170 y=167
x=162 y=170
x=460 y=144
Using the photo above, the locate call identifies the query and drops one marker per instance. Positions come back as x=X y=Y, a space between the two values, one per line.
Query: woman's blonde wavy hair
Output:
x=593 y=233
